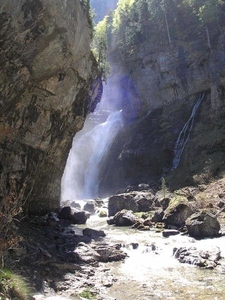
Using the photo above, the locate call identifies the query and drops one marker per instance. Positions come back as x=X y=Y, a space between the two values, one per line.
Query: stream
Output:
x=152 y=272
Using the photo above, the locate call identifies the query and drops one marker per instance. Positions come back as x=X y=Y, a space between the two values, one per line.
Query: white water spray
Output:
x=185 y=134
x=81 y=175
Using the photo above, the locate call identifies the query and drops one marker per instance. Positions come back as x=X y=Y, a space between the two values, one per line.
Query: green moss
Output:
x=177 y=200
x=87 y=294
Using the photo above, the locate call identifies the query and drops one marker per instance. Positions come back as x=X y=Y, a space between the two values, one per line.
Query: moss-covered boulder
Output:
x=178 y=211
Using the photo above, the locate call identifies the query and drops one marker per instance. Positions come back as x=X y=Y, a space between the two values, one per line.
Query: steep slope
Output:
x=48 y=84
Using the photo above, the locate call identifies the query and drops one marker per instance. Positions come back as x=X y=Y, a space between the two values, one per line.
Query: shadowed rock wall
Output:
x=169 y=81
x=48 y=83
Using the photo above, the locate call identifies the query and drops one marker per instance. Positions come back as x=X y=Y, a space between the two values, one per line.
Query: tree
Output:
x=99 y=46
x=208 y=12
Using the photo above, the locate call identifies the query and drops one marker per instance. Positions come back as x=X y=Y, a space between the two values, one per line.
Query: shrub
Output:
x=10 y=210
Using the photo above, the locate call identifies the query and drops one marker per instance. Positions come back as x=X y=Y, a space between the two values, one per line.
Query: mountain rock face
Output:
x=163 y=84
x=49 y=82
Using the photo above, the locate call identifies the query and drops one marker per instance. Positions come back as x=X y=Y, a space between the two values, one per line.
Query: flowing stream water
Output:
x=152 y=272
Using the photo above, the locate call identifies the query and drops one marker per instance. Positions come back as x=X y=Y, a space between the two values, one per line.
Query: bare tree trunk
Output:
x=208 y=37
x=167 y=26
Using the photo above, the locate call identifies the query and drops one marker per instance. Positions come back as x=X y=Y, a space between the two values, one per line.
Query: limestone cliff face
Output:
x=48 y=83
x=168 y=81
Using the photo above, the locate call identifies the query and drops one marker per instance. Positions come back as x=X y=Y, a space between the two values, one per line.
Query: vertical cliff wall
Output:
x=169 y=80
x=48 y=82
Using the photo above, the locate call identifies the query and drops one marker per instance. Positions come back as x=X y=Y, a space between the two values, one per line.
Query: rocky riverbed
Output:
x=95 y=260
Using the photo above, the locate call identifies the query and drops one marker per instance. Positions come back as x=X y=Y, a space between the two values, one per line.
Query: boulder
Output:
x=110 y=253
x=93 y=233
x=144 y=202
x=73 y=215
x=158 y=215
x=65 y=213
x=178 y=211
x=203 y=224
x=124 y=218
x=90 y=206
x=79 y=217
x=122 y=201
x=170 y=232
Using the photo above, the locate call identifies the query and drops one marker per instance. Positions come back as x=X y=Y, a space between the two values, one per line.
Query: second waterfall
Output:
x=81 y=175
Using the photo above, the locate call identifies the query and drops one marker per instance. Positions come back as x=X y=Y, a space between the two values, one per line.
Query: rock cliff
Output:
x=49 y=82
x=163 y=82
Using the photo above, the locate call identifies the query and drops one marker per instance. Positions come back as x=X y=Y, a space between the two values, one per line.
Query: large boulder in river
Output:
x=203 y=224
x=178 y=211
x=75 y=216
x=122 y=201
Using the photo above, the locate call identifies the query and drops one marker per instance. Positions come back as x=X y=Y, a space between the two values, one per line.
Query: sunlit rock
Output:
x=203 y=224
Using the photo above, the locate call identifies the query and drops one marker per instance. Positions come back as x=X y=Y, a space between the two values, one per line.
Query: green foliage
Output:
x=164 y=21
x=87 y=294
x=13 y=286
x=99 y=46
x=11 y=206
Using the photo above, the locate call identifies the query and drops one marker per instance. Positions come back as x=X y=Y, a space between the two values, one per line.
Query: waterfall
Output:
x=80 y=179
x=185 y=134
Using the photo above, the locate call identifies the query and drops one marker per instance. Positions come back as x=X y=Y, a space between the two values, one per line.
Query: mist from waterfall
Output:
x=81 y=175
x=185 y=134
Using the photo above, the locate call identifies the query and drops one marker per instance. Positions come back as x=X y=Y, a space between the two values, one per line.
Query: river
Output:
x=152 y=272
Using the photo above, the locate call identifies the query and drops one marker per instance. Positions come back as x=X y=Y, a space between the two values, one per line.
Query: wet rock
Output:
x=90 y=206
x=109 y=253
x=169 y=232
x=75 y=216
x=65 y=213
x=158 y=215
x=80 y=217
x=178 y=211
x=203 y=224
x=110 y=221
x=134 y=245
x=207 y=259
x=93 y=233
x=124 y=218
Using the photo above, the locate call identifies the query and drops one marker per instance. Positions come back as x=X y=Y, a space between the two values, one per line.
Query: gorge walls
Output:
x=169 y=80
x=49 y=82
